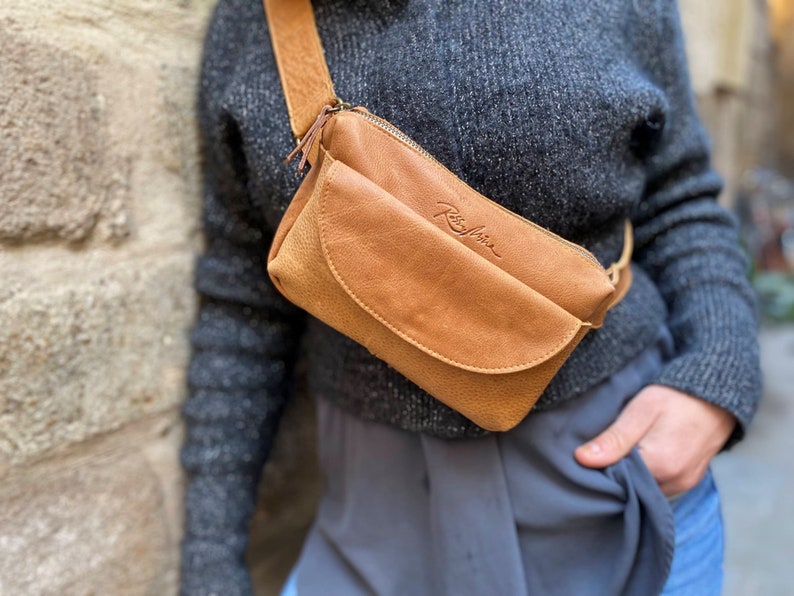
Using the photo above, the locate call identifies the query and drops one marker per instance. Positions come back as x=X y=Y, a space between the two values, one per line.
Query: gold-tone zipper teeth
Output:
x=396 y=132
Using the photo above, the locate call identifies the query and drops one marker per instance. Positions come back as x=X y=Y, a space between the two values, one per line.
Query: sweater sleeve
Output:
x=244 y=344
x=689 y=245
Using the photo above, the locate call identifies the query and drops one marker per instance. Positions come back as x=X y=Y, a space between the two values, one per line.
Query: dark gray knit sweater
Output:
x=573 y=114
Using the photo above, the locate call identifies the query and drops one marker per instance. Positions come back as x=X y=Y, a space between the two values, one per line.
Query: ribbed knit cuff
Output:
x=720 y=362
x=212 y=569
x=217 y=512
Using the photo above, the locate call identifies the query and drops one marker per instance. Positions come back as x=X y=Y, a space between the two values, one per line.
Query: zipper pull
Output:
x=305 y=144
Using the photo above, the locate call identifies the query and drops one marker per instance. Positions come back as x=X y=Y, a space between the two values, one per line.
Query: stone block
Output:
x=97 y=108
x=57 y=176
x=82 y=353
x=95 y=520
x=168 y=160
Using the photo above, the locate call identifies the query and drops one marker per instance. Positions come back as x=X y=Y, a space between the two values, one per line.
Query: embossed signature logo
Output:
x=457 y=224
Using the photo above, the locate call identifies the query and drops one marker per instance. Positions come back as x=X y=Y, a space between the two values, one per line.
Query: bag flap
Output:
x=562 y=271
x=429 y=288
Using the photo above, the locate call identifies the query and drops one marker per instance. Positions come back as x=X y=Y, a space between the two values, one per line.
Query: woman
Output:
x=576 y=116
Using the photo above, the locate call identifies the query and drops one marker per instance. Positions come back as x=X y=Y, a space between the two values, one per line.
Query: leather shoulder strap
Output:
x=301 y=63
x=620 y=271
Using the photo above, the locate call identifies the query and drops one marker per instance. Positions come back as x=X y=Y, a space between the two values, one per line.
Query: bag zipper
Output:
x=341 y=106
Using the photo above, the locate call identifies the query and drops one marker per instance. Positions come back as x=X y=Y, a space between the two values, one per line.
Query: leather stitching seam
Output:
x=329 y=259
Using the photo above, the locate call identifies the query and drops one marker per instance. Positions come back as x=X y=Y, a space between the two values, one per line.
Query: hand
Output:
x=676 y=435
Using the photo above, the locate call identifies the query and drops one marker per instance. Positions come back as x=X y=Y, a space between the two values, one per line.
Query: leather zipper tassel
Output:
x=305 y=144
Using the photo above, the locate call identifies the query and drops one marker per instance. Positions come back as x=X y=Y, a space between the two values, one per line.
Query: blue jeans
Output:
x=699 y=542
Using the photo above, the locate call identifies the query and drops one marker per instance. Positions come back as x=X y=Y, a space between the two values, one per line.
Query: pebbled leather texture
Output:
x=473 y=303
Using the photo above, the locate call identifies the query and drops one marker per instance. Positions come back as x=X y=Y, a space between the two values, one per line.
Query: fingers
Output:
x=675 y=459
x=622 y=435
x=682 y=483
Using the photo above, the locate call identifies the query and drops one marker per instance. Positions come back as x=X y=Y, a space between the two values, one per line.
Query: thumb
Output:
x=620 y=437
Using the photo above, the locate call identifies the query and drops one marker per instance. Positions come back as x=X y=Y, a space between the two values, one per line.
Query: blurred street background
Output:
x=756 y=480
x=745 y=90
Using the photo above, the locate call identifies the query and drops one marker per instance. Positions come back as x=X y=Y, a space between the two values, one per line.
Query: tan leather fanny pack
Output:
x=470 y=301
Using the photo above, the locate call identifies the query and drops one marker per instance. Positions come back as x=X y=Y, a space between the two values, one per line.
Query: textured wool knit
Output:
x=573 y=114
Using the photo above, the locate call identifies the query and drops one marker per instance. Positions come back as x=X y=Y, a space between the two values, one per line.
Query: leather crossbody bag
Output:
x=475 y=304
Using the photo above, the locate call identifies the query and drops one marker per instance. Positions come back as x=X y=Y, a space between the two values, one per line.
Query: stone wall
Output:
x=99 y=228
x=99 y=208
x=99 y=201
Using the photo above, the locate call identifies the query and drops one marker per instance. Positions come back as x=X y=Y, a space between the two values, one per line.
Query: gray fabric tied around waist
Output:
x=506 y=514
